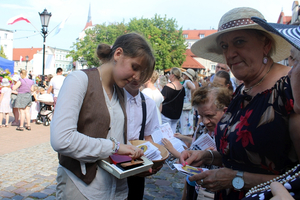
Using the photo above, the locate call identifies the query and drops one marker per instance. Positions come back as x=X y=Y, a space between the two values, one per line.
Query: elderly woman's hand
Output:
x=192 y=157
x=215 y=180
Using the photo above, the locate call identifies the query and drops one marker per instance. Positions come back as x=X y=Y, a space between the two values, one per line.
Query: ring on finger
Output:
x=201 y=182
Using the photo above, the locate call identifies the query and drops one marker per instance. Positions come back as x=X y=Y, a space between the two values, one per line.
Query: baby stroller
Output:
x=46 y=111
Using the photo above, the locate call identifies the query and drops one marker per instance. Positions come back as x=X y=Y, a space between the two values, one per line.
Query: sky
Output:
x=189 y=14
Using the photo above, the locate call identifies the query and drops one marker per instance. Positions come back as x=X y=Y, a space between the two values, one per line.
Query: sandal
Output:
x=28 y=128
x=20 y=129
x=6 y=126
x=0 y=126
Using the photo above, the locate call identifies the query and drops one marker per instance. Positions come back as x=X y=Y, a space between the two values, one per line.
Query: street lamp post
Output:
x=27 y=58
x=45 y=18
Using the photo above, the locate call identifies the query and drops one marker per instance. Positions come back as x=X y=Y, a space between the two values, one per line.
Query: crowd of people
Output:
x=25 y=95
x=250 y=108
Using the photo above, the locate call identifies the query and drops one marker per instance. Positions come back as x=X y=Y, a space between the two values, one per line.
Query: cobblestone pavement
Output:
x=30 y=173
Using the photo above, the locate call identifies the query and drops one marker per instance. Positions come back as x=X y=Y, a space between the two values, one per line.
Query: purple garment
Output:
x=25 y=86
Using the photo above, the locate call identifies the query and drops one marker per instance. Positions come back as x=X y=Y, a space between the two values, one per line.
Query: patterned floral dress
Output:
x=256 y=138
x=186 y=118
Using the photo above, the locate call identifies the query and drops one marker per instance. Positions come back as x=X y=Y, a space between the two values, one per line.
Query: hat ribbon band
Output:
x=235 y=23
x=189 y=73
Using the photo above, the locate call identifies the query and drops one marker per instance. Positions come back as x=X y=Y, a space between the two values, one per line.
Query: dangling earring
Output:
x=265 y=60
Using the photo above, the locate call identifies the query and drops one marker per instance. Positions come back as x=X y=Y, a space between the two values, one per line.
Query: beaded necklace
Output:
x=281 y=179
x=259 y=82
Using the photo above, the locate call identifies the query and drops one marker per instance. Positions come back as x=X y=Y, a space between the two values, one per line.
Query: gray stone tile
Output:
x=38 y=195
x=6 y=194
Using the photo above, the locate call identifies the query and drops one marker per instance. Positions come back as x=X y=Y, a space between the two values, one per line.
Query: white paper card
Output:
x=204 y=141
x=165 y=131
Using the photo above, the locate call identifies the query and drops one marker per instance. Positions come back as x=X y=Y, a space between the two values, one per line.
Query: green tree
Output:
x=162 y=33
x=167 y=41
x=2 y=54
x=103 y=33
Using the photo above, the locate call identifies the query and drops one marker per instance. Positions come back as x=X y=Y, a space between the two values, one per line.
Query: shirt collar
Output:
x=137 y=98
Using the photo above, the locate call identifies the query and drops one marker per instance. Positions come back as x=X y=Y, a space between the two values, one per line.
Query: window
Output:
x=185 y=35
x=5 y=36
x=201 y=36
x=213 y=67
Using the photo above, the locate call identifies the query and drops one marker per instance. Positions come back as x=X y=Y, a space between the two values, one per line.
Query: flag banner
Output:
x=61 y=25
x=15 y=19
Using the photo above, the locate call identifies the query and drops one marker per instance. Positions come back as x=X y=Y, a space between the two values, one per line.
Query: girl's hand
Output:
x=130 y=150
x=167 y=143
x=179 y=136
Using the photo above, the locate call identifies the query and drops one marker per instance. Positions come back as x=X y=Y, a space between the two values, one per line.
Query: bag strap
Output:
x=144 y=117
x=173 y=98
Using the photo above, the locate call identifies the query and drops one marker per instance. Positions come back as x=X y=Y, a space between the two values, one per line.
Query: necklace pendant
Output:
x=247 y=89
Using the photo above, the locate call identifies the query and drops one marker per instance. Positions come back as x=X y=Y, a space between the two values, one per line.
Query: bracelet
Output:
x=117 y=146
x=212 y=156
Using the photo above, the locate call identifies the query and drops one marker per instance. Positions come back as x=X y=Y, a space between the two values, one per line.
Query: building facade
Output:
x=6 y=42
x=192 y=36
x=54 y=58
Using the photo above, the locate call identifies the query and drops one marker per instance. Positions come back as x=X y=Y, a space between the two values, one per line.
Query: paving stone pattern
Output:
x=30 y=173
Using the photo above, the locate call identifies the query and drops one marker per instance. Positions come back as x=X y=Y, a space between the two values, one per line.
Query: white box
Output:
x=119 y=173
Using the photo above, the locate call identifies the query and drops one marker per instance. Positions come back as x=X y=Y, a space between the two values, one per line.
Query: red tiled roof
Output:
x=287 y=19
x=190 y=62
x=284 y=19
x=195 y=34
x=18 y=52
x=88 y=24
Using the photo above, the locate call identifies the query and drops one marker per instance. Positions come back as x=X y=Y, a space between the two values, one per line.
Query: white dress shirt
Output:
x=135 y=116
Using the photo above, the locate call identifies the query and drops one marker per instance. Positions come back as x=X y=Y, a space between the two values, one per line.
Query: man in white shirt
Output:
x=134 y=113
x=223 y=67
x=56 y=83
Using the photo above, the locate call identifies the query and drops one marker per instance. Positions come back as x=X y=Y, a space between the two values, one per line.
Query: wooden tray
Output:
x=163 y=152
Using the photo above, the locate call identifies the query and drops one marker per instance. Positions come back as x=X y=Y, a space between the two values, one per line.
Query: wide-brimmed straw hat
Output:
x=5 y=82
x=290 y=33
x=233 y=20
x=190 y=73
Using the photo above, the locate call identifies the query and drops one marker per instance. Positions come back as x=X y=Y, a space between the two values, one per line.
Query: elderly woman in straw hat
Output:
x=256 y=137
x=283 y=189
x=186 y=118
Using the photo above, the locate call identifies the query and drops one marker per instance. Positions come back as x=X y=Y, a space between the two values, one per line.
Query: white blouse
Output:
x=65 y=138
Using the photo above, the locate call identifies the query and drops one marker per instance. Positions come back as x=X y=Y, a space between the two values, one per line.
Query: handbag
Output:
x=187 y=106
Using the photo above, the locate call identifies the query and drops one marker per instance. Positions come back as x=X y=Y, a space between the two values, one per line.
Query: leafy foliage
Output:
x=2 y=54
x=167 y=42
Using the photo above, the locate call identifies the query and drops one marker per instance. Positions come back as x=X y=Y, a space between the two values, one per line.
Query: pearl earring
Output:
x=265 y=60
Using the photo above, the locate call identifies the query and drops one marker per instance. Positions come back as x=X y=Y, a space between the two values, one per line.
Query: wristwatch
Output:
x=238 y=181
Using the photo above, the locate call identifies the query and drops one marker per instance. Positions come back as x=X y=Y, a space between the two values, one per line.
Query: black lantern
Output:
x=45 y=18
